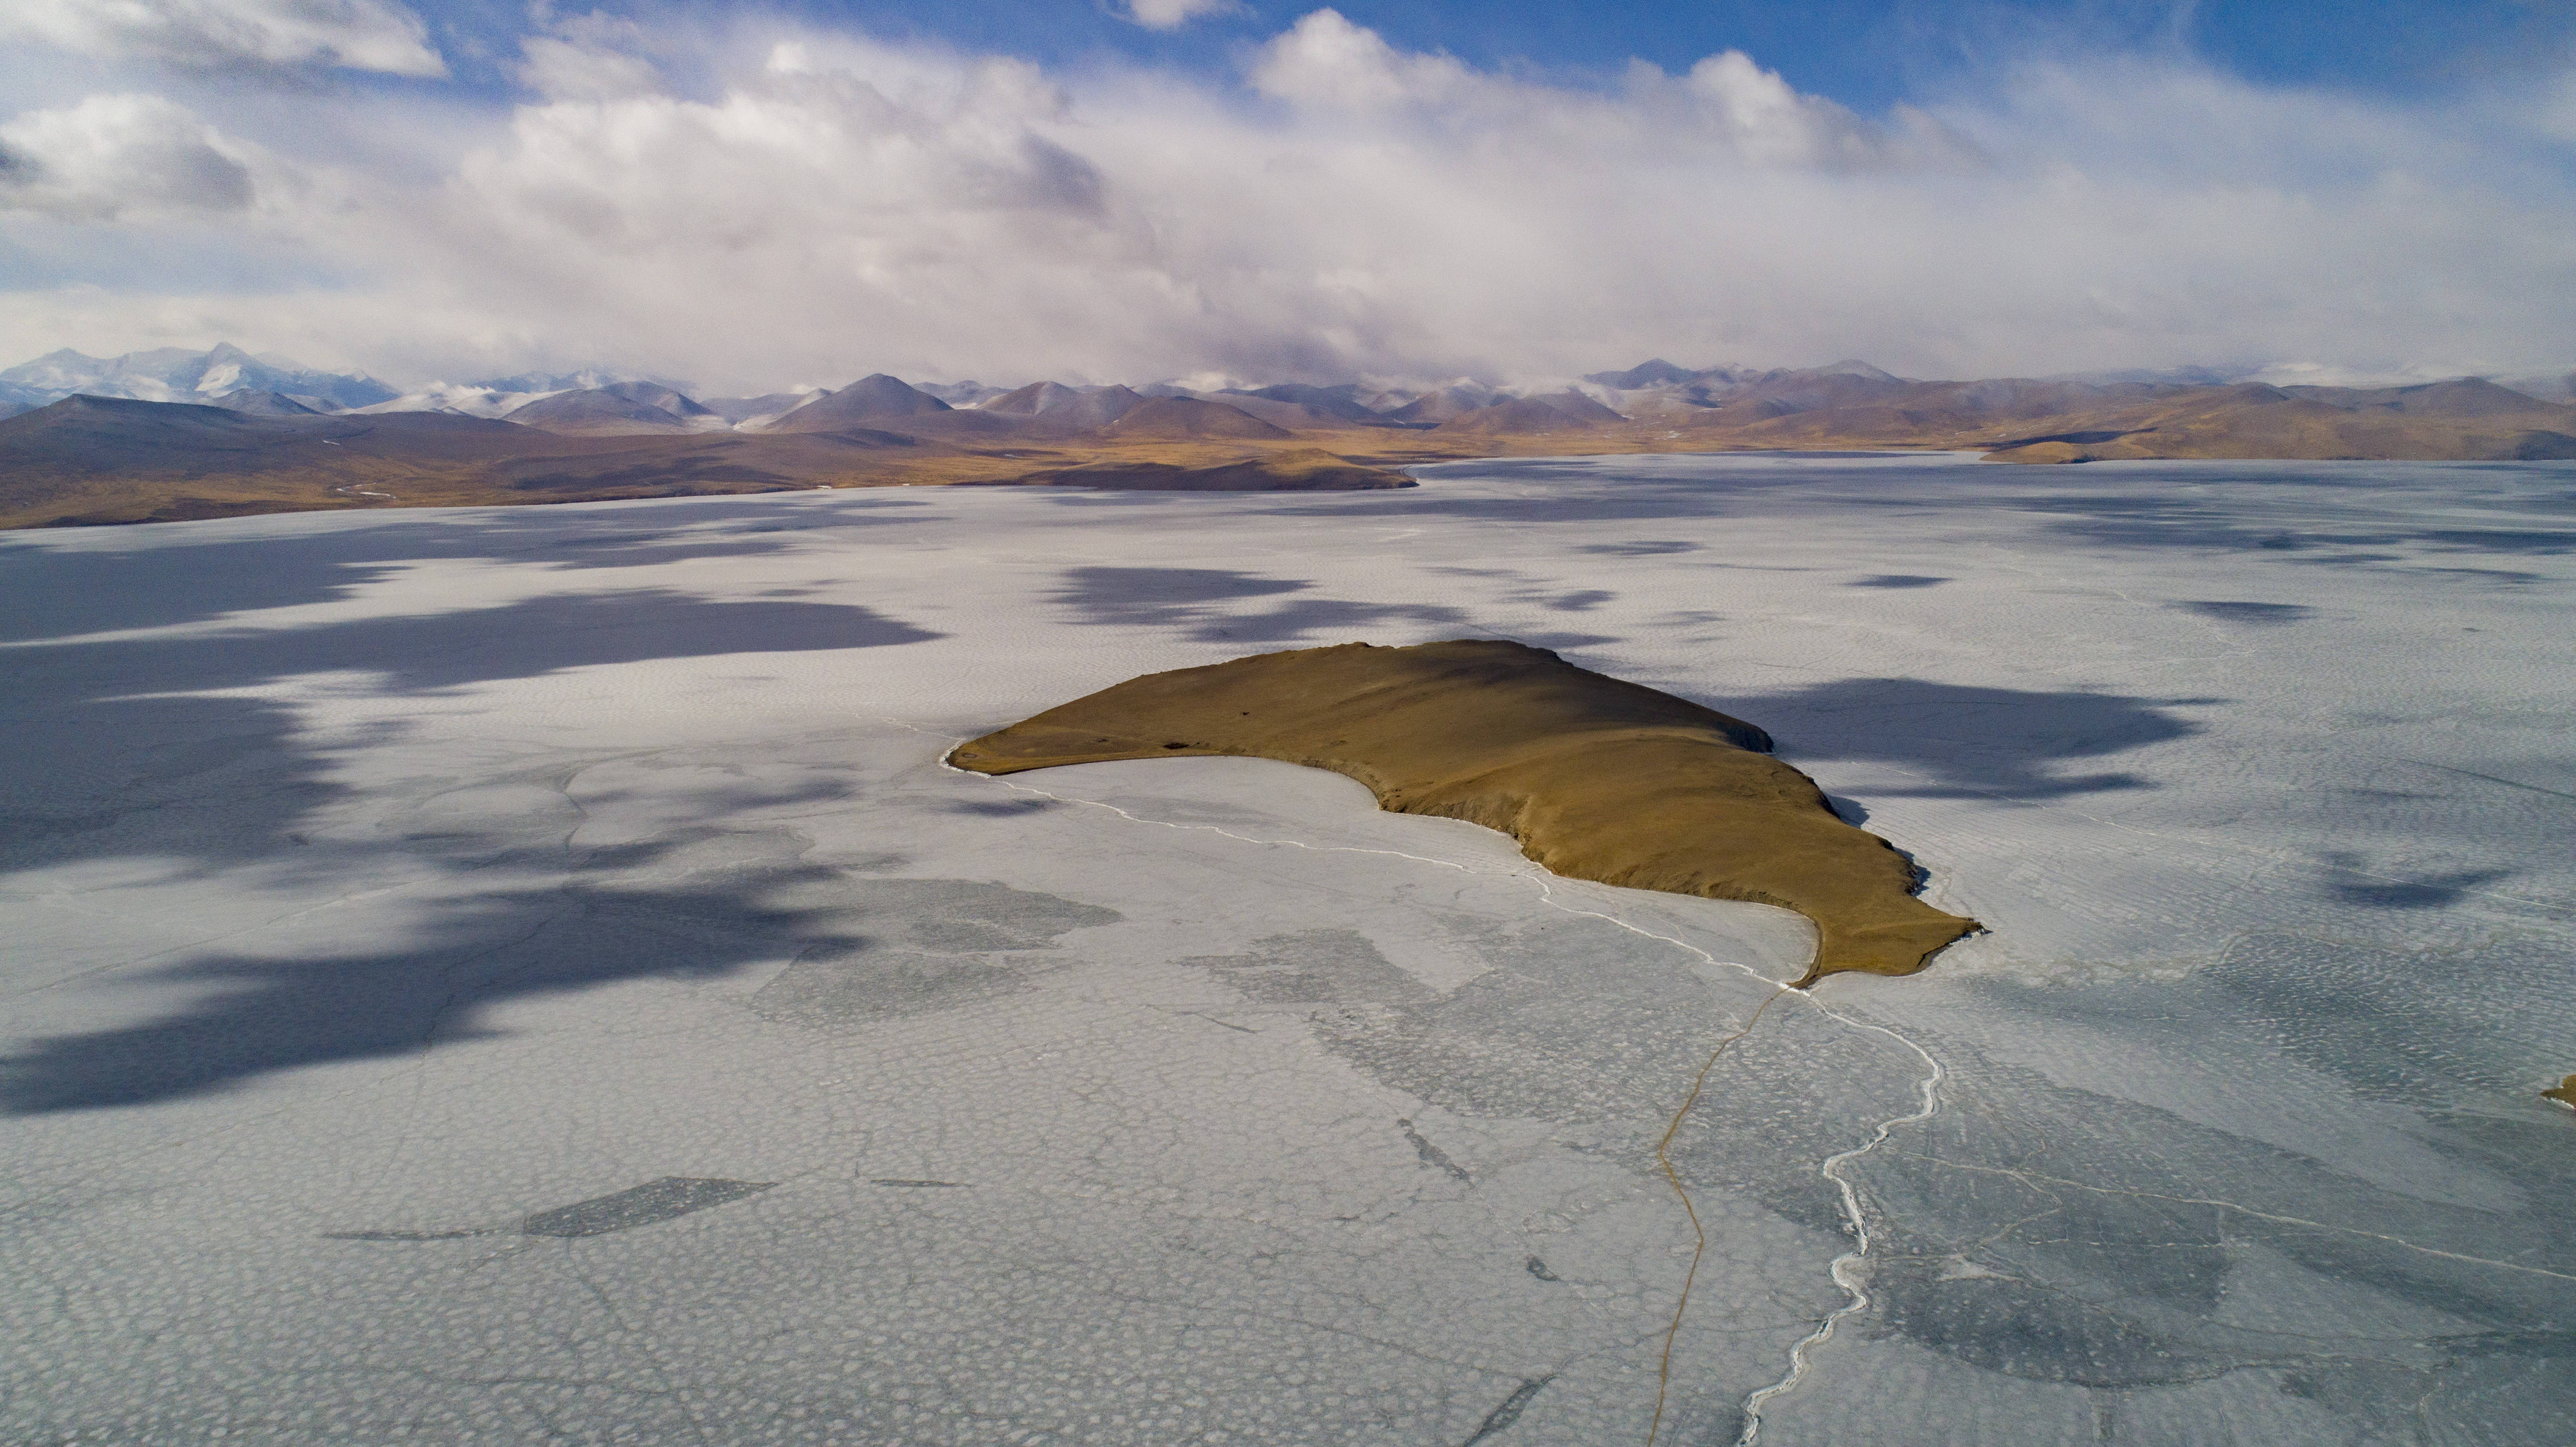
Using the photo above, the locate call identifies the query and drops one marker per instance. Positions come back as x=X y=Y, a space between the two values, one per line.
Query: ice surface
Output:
x=484 y=975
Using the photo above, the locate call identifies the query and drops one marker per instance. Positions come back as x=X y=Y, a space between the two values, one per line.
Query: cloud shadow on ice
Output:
x=2349 y=883
x=1964 y=741
x=144 y=748
x=2261 y=614
x=1641 y=548
x=164 y=770
x=1160 y=597
x=52 y=589
x=862 y=949
x=268 y=1015
x=1194 y=603
x=425 y=652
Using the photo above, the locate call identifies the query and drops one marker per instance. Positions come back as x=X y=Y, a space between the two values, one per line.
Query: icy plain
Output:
x=501 y=975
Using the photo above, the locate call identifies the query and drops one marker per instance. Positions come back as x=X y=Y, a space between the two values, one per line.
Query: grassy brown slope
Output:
x=1597 y=778
x=2040 y=423
x=1179 y=418
x=95 y=464
x=2263 y=422
x=89 y=461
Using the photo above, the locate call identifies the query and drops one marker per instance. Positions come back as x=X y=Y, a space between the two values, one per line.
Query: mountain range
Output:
x=174 y=434
x=174 y=374
x=602 y=400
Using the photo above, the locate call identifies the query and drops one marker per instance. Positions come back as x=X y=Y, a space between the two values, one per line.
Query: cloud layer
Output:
x=803 y=207
x=377 y=35
x=115 y=156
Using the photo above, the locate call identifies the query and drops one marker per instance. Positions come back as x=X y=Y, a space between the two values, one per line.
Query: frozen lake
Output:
x=496 y=974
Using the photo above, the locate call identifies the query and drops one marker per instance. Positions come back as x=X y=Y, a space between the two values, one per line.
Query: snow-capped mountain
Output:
x=471 y=399
x=962 y=394
x=175 y=374
x=501 y=396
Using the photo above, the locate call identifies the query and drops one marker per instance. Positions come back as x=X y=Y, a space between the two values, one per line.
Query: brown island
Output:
x=1597 y=778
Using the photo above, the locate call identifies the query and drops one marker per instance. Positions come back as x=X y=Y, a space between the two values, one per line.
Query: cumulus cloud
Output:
x=814 y=207
x=589 y=57
x=1173 y=14
x=573 y=70
x=120 y=155
x=377 y=35
x=851 y=154
x=1726 y=103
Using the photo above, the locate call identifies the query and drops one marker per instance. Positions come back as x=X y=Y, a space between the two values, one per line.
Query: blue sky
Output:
x=1866 y=55
x=799 y=192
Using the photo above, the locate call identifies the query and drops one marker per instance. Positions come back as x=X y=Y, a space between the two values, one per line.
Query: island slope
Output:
x=1597 y=778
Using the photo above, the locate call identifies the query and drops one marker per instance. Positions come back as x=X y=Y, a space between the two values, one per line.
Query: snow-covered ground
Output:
x=487 y=974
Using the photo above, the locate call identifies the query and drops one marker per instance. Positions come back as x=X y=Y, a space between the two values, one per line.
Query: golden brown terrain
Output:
x=1597 y=778
x=94 y=460
x=2021 y=421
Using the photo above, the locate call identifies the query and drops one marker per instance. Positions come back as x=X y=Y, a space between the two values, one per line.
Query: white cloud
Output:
x=2556 y=114
x=827 y=206
x=378 y=35
x=857 y=154
x=1330 y=67
x=570 y=70
x=1326 y=60
x=120 y=155
x=589 y=57
x=1173 y=14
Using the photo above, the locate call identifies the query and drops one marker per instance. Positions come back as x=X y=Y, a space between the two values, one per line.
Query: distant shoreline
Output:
x=86 y=461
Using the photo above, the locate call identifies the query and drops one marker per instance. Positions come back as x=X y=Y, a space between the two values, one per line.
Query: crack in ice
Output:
x=1843 y=1269
x=2032 y=1178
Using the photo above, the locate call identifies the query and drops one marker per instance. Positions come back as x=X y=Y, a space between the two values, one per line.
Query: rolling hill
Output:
x=1187 y=417
x=88 y=459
